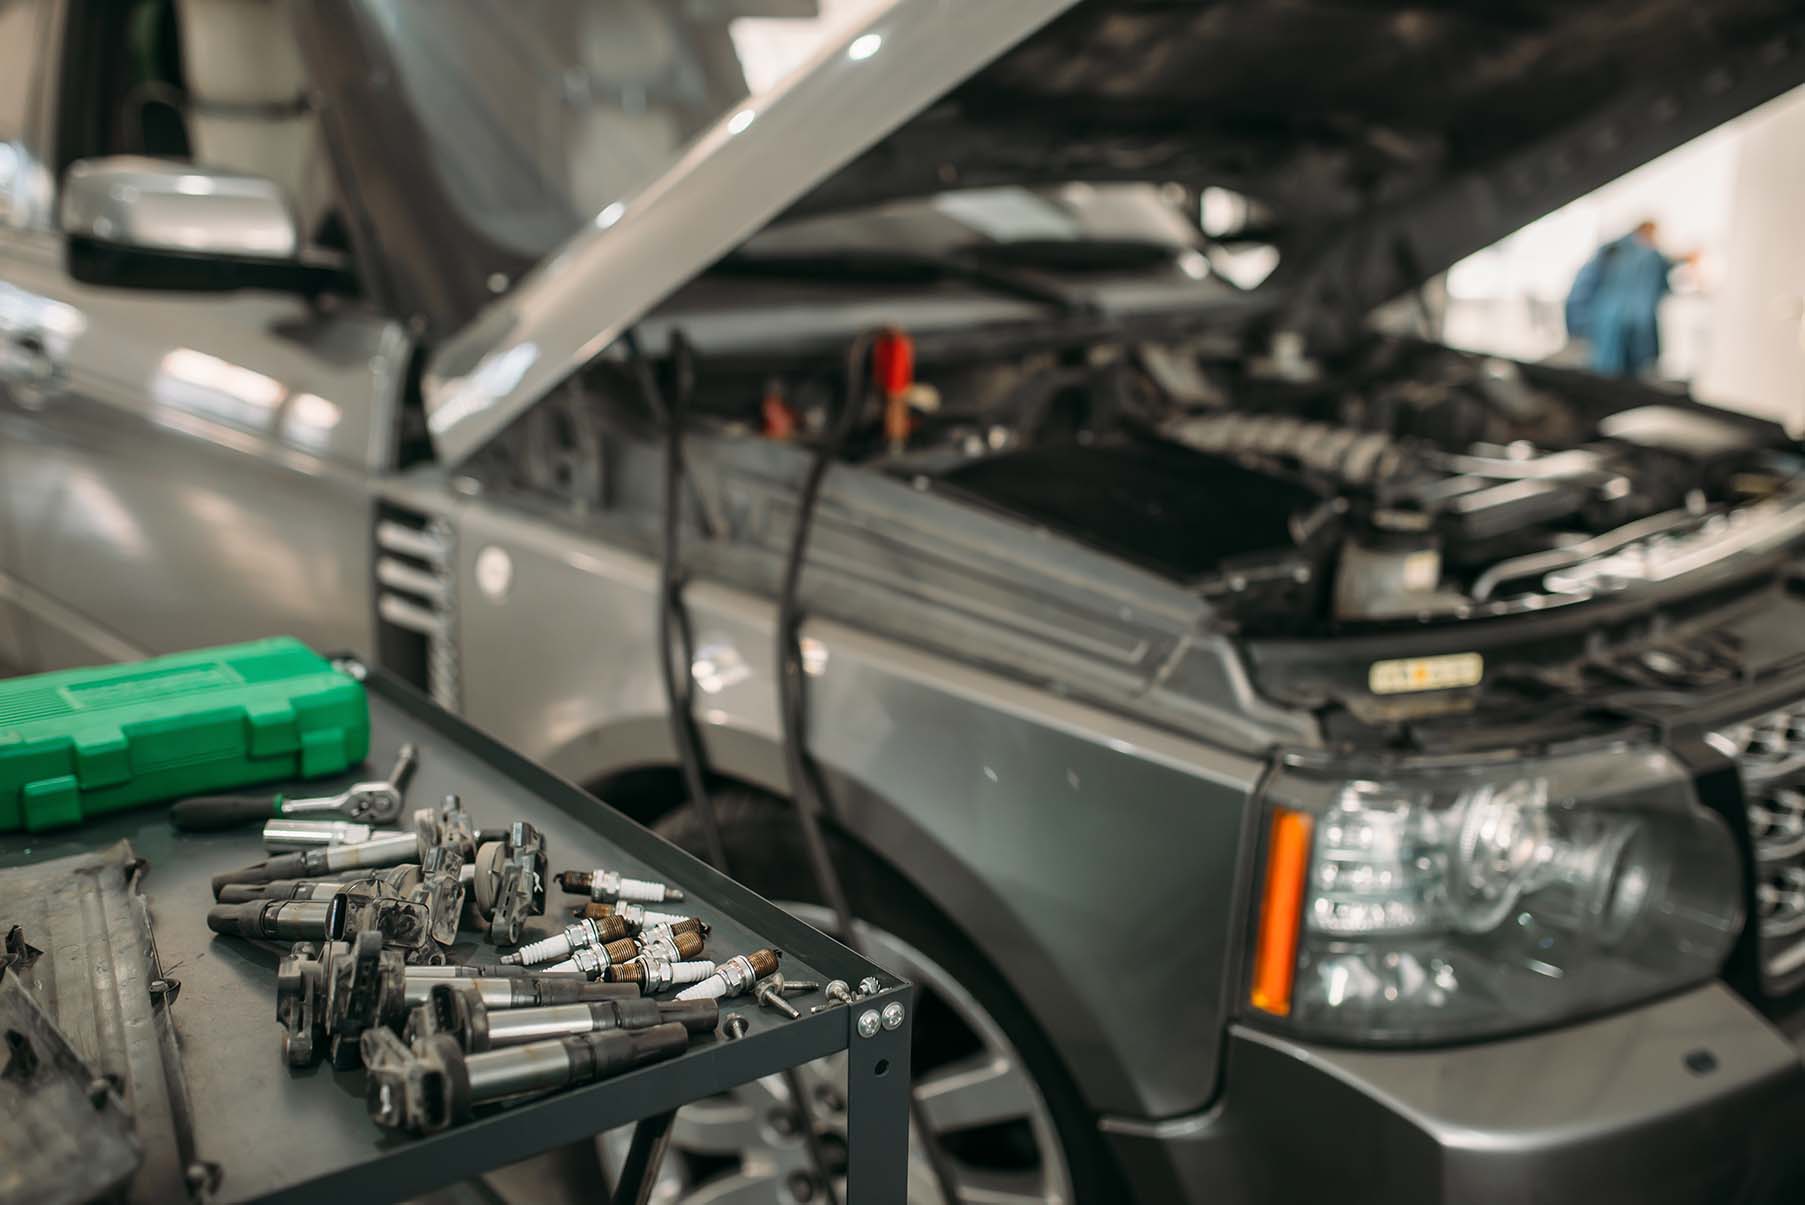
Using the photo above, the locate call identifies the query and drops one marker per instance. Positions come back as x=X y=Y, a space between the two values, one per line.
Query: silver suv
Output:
x=1297 y=762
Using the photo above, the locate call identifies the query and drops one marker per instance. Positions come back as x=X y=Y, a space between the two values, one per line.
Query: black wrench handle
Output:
x=212 y=813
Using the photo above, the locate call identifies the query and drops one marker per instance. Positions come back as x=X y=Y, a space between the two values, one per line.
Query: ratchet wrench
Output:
x=367 y=802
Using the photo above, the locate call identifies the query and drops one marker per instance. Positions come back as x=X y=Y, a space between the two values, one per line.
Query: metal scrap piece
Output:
x=100 y=981
x=67 y=1137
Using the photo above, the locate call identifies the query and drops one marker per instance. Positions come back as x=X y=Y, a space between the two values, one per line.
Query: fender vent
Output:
x=416 y=600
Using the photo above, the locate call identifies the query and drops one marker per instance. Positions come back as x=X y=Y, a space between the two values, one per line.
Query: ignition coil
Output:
x=456 y=1010
x=534 y=990
x=400 y=879
x=328 y=995
x=508 y=885
x=274 y=920
x=441 y=891
x=734 y=977
x=610 y=886
x=389 y=850
x=435 y=1084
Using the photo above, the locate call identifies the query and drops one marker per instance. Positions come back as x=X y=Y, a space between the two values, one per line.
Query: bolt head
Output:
x=869 y=1023
x=869 y=985
x=893 y=1014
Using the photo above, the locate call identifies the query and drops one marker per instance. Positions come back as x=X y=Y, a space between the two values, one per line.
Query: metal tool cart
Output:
x=261 y=1131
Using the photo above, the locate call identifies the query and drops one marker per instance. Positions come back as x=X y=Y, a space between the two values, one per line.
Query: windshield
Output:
x=539 y=114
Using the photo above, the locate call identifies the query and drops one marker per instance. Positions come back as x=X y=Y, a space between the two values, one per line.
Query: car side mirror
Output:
x=137 y=222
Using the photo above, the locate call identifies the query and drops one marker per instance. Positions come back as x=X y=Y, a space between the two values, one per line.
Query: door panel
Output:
x=191 y=468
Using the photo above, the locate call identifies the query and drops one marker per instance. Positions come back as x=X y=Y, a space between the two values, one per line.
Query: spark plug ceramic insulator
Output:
x=584 y=935
x=658 y=974
x=610 y=886
x=435 y=1084
x=456 y=1010
x=734 y=977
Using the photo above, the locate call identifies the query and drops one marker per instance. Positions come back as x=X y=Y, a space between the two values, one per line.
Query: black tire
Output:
x=765 y=848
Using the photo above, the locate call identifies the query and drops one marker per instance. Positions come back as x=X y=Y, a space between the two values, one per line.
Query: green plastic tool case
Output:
x=84 y=741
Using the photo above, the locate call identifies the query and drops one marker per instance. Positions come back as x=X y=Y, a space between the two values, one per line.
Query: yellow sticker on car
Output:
x=1409 y=674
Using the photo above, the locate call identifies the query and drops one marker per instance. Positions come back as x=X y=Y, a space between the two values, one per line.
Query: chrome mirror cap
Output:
x=162 y=205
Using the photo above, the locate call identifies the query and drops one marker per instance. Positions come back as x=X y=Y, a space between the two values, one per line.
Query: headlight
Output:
x=1448 y=903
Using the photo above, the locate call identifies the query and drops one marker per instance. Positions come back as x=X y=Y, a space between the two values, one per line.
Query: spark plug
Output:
x=584 y=935
x=668 y=944
x=435 y=1085
x=593 y=960
x=457 y=1011
x=657 y=974
x=733 y=977
x=610 y=932
x=610 y=886
x=636 y=916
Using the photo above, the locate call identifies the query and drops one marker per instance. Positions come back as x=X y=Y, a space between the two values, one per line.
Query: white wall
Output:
x=1757 y=356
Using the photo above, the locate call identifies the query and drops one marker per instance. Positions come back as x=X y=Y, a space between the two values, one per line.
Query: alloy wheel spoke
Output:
x=987 y=1186
x=978 y=1091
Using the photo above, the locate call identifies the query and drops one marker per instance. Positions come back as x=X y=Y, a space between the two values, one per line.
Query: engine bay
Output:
x=1407 y=484
x=1415 y=484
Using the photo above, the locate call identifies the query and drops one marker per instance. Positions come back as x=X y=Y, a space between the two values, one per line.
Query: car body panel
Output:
x=1092 y=858
x=212 y=453
x=1689 y=1099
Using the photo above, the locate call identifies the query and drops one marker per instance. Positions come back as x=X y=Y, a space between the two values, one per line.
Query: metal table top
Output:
x=281 y=1134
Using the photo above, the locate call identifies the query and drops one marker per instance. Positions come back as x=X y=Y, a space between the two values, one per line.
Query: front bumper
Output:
x=1696 y=1098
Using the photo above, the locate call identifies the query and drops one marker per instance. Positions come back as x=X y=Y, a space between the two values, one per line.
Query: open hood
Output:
x=1385 y=140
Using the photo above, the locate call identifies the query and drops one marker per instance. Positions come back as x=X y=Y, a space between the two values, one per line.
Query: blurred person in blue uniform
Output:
x=1615 y=300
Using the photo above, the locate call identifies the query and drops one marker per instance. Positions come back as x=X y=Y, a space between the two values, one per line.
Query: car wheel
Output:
x=995 y=1099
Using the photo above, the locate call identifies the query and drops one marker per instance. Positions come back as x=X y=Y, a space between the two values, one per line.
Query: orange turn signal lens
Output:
x=1281 y=910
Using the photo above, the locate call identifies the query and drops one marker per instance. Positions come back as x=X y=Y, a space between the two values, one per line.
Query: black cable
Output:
x=804 y=787
x=673 y=621
x=809 y=791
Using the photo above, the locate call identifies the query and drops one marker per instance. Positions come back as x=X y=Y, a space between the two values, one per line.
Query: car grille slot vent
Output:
x=416 y=601
x=1770 y=753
